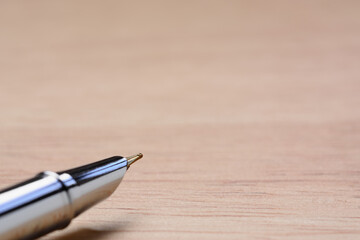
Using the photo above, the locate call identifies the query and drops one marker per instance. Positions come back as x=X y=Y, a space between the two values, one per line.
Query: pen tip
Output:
x=133 y=158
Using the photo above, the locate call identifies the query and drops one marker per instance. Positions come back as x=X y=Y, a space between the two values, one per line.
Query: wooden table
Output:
x=247 y=113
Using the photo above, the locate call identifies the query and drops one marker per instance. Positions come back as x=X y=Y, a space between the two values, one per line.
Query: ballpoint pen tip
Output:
x=133 y=158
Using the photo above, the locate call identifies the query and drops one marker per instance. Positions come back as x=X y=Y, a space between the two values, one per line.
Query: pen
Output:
x=50 y=200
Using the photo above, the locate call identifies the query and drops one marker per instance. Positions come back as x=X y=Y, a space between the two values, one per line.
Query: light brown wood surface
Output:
x=247 y=113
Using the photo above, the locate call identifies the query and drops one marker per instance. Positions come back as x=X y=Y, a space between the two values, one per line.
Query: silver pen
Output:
x=50 y=200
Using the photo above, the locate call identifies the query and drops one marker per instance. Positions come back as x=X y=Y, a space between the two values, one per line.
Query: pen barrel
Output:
x=35 y=207
x=50 y=200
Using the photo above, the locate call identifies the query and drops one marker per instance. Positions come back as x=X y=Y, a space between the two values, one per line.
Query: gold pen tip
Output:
x=133 y=158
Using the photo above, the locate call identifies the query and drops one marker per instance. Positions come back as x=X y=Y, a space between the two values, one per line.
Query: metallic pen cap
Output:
x=94 y=182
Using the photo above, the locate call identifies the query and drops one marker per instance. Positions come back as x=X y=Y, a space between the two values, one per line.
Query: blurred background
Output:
x=268 y=88
x=118 y=66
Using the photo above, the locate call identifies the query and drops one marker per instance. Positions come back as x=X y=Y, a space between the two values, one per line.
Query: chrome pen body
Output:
x=50 y=200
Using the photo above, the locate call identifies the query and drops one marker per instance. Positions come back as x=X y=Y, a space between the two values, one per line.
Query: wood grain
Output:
x=247 y=113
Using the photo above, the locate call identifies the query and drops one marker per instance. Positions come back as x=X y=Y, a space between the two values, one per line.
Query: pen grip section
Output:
x=95 y=182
